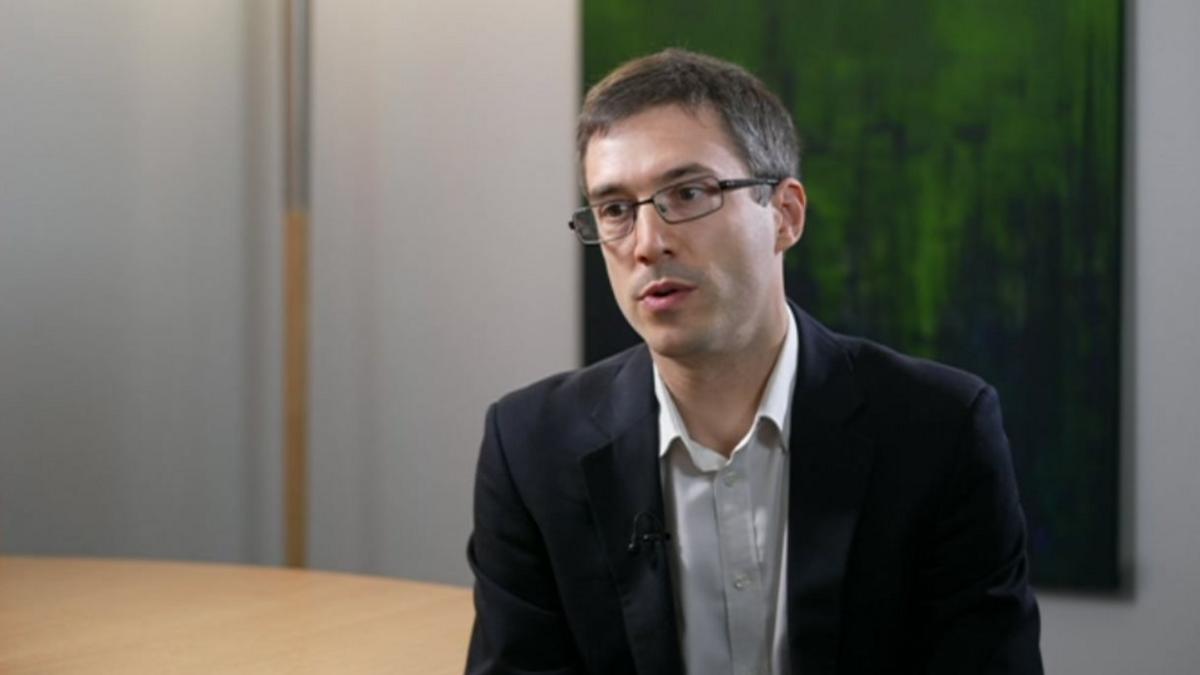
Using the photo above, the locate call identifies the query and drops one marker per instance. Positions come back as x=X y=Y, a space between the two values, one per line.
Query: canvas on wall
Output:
x=963 y=168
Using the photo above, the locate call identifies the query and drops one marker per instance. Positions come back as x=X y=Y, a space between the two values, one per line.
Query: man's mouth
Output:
x=665 y=294
x=661 y=289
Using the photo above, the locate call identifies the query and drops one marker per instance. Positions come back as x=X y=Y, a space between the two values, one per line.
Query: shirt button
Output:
x=741 y=581
x=730 y=478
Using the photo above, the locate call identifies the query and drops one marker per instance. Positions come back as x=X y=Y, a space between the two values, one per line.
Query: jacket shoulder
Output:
x=561 y=406
x=917 y=388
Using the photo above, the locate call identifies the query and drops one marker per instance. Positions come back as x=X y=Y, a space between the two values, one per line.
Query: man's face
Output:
x=704 y=287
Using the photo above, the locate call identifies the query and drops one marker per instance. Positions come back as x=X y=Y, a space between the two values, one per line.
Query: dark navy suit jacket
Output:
x=906 y=544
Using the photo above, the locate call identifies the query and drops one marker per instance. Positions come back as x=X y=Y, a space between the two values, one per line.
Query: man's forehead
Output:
x=656 y=145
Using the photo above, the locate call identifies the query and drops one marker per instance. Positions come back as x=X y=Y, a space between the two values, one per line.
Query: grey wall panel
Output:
x=126 y=282
x=444 y=274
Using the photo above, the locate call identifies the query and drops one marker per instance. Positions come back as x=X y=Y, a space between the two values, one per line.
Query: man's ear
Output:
x=790 y=202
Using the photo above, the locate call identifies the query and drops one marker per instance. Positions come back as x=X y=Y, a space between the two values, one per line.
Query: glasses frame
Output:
x=723 y=186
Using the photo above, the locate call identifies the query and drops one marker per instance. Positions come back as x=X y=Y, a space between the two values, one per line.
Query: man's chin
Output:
x=673 y=335
x=673 y=344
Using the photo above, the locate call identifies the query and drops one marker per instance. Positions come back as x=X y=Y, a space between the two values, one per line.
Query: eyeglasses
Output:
x=678 y=203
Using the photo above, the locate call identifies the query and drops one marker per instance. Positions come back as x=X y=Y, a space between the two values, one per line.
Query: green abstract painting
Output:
x=963 y=168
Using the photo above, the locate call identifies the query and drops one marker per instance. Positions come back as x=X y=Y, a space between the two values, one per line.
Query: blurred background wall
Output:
x=444 y=272
x=137 y=147
x=139 y=286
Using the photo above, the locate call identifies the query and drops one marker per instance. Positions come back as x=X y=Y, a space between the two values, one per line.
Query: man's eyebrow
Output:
x=609 y=189
x=683 y=172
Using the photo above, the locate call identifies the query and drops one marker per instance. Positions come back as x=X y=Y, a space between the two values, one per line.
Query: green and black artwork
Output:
x=963 y=167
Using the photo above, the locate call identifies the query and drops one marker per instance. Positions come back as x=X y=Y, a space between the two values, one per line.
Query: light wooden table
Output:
x=64 y=615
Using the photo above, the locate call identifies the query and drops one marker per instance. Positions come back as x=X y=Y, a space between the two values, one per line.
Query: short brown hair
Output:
x=758 y=123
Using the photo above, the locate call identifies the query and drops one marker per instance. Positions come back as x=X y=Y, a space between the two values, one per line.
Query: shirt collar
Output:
x=775 y=405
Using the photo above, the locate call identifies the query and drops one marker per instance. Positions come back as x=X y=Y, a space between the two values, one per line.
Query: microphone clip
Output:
x=647 y=532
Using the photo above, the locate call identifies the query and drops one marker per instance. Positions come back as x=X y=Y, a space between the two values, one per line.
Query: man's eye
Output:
x=688 y=192
x=613 y=210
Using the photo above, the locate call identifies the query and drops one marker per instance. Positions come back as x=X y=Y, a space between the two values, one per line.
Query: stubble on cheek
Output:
x=619 y=285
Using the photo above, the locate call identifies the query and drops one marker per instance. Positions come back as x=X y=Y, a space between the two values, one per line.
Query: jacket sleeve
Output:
x=979 y=613
x=519 y=623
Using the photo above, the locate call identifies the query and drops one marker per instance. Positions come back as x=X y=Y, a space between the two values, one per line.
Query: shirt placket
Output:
x=742 y=575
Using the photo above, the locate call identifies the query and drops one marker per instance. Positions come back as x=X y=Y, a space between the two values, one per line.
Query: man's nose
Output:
x=651 y=234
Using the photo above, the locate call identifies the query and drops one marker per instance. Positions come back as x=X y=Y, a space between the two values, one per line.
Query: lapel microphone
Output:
x=647 y=532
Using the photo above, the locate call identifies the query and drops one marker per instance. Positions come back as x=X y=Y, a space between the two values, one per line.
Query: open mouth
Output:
x=664 y=289
x=662 y=295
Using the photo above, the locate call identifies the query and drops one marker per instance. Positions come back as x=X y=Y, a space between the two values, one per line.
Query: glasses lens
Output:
x=613 y=219
x=584 y=224
x=688 y=200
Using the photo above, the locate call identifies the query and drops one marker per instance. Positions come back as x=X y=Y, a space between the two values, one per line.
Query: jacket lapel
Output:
x=622 y=481
x=829 y=470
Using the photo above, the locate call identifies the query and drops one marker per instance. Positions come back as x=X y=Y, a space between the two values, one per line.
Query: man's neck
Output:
x=718 y=395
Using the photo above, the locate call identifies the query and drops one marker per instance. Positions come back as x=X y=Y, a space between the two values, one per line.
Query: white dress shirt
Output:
x=728 y=519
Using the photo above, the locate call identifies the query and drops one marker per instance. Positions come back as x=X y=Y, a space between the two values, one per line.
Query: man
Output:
x=746 y=492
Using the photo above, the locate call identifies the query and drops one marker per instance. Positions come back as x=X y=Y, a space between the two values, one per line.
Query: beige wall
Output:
x=445 y=274
x=130 y=322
